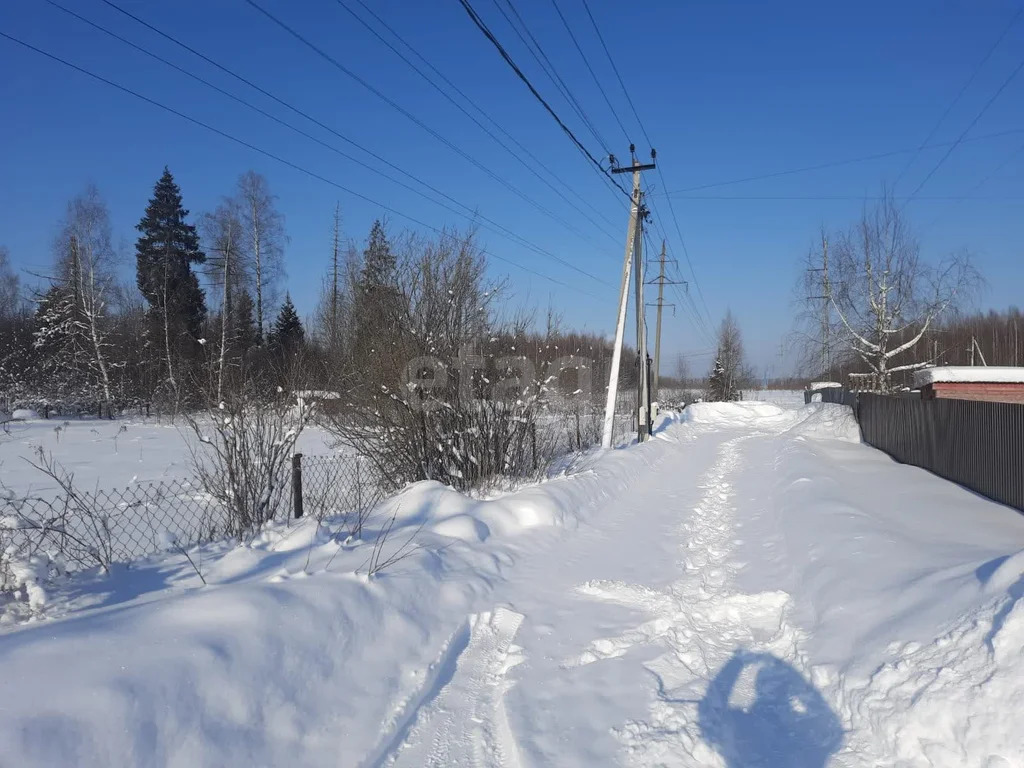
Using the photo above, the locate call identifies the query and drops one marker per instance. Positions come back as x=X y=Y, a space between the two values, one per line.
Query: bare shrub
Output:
x=71 y=522
x=378 y=560
x=38 y=535
x=244 y=451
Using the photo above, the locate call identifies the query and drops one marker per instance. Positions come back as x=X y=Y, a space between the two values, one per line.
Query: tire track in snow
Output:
x=459 y=719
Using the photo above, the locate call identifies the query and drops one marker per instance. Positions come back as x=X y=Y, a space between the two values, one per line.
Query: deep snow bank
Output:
x=889 y=589
x=819 y=420
x=906 y=598
x=286 y=656
x=953 y=701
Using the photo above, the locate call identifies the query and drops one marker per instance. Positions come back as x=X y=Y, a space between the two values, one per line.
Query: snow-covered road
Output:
x=751 y=588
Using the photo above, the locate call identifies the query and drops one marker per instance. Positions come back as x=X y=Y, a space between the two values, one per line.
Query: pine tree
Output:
x=288 y=334
x=165 y=253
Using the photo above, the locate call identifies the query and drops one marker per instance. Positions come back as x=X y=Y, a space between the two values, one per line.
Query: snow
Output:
x=991 y=374
x=107 y=454
x=24 y=414
x=753 y=587
x=316 y=394
x=791 y=397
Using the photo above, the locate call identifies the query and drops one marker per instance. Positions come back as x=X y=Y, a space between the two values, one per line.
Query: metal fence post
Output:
x=297 y=485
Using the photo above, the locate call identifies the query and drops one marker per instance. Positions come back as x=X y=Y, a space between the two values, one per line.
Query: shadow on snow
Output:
x=760 y=711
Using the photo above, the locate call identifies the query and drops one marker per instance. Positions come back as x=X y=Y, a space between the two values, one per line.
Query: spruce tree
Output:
x=288 y=334
x=717 y=384
x=247 y=335
x=165 y=253
x=61 y=349
x=379 y=263
x=378 y=305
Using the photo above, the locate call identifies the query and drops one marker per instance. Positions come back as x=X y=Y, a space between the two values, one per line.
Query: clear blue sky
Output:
x=726 y=90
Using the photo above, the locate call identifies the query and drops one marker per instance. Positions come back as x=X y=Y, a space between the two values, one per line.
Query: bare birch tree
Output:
x=730 y=369
x=226 y=270
x=887 y=297
x=265 y=238
x=9 y=287
x=85 y=267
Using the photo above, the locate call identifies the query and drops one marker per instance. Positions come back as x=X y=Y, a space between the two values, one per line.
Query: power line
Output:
x=686 y=252
x=399 y=108
x=837 y=163
x=536 y=50
x=532 y=168
x=704 y=325
x=547 y=66
x=508 y=59
x=967 y=130
x=683 y=297
x=959 y=95
x=967 y=196
x=661 y=175
x=272 y=156
x=615 y=69
x=590 y=69
x=867 y=198
x=472 y=103
x=469 y=214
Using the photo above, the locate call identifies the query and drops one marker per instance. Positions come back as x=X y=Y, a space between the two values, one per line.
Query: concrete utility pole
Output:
x=661 y=282
x=826 y=307
x=634 y=236
x=976 y=346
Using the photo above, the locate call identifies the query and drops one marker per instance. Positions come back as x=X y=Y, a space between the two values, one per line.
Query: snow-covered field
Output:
x=108 y=454
x=752 y=588
x=787 y=397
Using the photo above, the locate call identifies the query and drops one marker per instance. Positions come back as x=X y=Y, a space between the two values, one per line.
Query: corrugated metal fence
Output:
x=979 y=445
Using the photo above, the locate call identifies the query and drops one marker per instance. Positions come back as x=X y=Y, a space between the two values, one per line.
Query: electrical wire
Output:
x=683 y=297
x=837 y=163
x=615 y=69
x=847 y=198
x=967 y=195
x=272 y=156
x=519 y=73
x=959 y=95
x=661 y=175
x=686 y=251
x=409 y=115
x=536 y=50
x=531 y=167
x=590 y=69
x=973 y=123
x=468 y=212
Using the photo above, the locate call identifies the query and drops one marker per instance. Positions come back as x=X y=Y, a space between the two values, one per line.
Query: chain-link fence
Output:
x=87 y=529
x=335 y=486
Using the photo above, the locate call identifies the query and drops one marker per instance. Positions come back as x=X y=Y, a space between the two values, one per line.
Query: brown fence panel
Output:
x=979 y=445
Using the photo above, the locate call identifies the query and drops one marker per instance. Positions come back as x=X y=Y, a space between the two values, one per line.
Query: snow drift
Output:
x=589 y=619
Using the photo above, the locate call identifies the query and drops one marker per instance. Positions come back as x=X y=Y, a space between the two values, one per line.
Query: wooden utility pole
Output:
x=634 y=236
